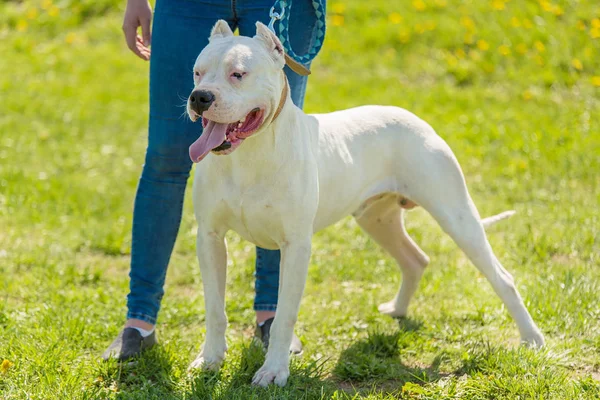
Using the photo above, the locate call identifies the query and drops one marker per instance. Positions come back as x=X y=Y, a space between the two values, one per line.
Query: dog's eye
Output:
x=196 y=73
x=238 y=75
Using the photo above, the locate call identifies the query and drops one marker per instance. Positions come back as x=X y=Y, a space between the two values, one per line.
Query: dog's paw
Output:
x=533 y=339
x=206 y=363
x=277 y=373
x=390 y=308
x=208 y=360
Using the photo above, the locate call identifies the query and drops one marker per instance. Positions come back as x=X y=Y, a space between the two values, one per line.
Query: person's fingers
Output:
x=146 y=33
x=145 y=53
x=143 y=49
x=140 y=41
x=130 y=37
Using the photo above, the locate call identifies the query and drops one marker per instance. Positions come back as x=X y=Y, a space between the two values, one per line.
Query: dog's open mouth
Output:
x=224 y=138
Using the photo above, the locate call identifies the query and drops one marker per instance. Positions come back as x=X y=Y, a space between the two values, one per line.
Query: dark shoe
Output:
x=264 y=333
x=128 y=344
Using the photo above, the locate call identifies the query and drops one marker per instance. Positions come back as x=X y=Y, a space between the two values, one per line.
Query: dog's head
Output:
x=238 y=86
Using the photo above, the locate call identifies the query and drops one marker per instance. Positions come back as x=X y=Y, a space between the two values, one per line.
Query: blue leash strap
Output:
x=282 y=31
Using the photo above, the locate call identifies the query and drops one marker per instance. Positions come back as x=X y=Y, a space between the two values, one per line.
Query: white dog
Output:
x=287 y=175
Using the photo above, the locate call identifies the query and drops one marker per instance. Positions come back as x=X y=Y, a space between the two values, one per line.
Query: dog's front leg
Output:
x=212 y=256
x=295 y=256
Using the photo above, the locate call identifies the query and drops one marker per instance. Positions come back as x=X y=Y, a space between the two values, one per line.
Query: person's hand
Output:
x=138 y=13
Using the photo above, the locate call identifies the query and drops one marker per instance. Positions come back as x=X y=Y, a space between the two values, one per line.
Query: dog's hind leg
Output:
x=458 y=216
x=383 y=220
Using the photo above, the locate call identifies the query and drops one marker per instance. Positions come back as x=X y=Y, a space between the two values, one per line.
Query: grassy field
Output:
x=513 y=87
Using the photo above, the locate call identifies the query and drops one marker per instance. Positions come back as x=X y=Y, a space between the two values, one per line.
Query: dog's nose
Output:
x=200 y=100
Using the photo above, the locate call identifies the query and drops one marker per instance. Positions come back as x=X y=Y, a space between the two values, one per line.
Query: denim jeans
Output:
x=180 y=31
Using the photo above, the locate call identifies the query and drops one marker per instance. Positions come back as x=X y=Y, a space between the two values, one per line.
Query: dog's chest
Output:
x=254 y=212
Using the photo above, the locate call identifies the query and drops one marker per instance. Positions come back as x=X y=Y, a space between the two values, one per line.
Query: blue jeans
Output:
x=180 y=31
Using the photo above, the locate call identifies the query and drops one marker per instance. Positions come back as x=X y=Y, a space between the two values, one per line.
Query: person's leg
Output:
x=180 y=31
x=302 y=22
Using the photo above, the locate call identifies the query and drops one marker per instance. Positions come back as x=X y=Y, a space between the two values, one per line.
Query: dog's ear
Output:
x=271 y=42
x=220 y=30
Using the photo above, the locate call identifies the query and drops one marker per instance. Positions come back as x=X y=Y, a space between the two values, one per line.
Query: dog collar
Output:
x=284 y=95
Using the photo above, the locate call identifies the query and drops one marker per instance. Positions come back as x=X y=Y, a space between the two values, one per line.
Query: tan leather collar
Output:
x=284 y=95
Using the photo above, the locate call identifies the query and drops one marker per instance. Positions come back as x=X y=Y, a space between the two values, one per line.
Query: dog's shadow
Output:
x=370 y=364
x=375 y=363
x=234 y=381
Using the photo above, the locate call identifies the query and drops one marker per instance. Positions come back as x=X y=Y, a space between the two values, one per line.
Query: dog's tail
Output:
x=489 y=221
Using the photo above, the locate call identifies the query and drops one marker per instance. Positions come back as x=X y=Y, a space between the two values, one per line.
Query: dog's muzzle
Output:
x=201 y=100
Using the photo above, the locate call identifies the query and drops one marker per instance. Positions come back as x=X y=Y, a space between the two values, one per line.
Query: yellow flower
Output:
x=395 y=18
x=527 y=95
x=595 y=33
x=70 y=38
x=5 y=366
x=22 y=25
x=521 y=48
x=46 y=4
x=515 y=22
x=504 y=50
x=539 y=46
x=419 y=5
x=596 y=23
x=338 y=8
x=441 y=3
x=467 y=22
x=482 y=45
x=54 y=11
x=337 y=20
x=557 y=10
x=32 y=13
x=546 y=5
x=596 y=80
x=498 y=4
x=576 y=63
x=527 y=24
x=580 y=25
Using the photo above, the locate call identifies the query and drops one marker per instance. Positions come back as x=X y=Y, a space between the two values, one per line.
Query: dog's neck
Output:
x=271 y=147
x=283 y=98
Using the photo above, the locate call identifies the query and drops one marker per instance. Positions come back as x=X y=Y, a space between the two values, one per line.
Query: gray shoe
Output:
x=129 y=343
x=263 y=333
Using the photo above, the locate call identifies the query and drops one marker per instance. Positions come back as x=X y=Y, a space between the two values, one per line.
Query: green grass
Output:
x=513 y=87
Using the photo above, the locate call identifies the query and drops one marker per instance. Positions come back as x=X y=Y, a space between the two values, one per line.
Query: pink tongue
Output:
x=213 y=136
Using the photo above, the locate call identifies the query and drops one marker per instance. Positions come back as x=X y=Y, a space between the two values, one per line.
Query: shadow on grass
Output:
x=371 y=364
x=147 y=376
x=409 y=324
x=306 y=380
x=374 y=364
